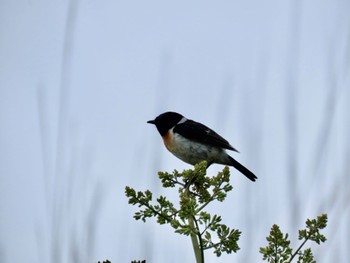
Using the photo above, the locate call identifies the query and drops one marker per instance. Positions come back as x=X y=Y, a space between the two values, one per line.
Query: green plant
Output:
x=196 y=190
x=279 y=250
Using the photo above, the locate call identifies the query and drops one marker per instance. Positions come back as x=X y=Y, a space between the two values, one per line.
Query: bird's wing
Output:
x=196 y=131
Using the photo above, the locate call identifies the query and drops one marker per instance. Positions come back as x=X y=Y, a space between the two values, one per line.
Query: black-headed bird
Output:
x=193 y=142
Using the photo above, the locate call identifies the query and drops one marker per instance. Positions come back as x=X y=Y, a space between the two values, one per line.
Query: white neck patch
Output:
x=182 y=120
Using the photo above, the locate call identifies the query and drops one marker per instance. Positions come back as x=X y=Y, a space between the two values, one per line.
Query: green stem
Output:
x=195 y=235
x=212 y=198
x=206 y=203
x=296 y=252
x=197 y=251
x=199 y=238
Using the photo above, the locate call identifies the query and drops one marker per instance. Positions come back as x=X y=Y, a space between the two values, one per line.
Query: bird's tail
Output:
x=242 y=169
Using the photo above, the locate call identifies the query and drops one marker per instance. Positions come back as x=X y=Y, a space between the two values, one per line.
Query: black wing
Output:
x=196 y=131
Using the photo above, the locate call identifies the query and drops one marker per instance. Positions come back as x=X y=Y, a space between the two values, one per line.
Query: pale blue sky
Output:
x=79 y=80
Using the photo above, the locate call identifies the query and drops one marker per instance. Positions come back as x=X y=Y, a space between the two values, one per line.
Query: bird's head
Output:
x=165 y=121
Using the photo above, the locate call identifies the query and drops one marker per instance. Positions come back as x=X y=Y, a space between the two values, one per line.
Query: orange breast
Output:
x=167 y=139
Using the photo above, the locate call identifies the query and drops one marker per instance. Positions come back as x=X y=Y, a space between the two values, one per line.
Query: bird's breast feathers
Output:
x=190 y=151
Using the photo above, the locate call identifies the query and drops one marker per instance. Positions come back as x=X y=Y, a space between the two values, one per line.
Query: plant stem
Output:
x=296 y=252
x=199 y=235
x=206 y=203
x=195 y=244
x=198 y=250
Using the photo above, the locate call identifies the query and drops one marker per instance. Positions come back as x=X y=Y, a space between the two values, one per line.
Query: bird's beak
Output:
x=151 y=122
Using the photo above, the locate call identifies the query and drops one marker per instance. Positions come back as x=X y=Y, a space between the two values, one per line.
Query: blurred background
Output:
x=79 y=80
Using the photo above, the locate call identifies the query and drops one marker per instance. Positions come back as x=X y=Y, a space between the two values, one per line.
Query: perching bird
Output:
x=193 y=142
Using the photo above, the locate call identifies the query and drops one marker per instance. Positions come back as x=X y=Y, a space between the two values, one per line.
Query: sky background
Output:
x=80 y=79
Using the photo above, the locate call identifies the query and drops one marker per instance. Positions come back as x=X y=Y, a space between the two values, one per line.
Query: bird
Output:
x=193 y=142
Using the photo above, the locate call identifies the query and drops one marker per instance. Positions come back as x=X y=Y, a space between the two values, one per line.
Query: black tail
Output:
x=242 y=169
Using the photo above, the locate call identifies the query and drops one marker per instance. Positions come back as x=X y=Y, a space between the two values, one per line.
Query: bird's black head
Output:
x=165 y=121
